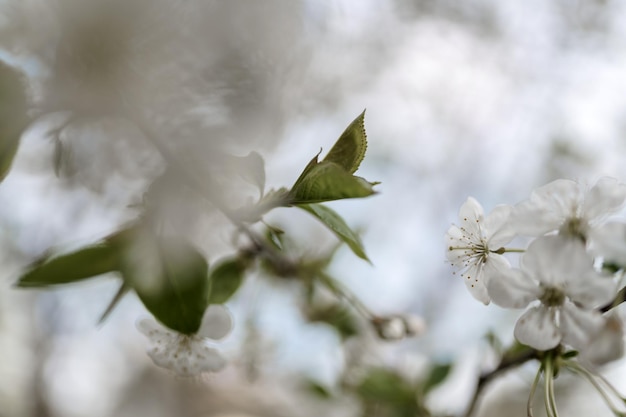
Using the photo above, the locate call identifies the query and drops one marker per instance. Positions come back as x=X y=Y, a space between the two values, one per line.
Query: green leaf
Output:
x=84 y=263
x=329 y=181
x=170 y=277
x=386 y=386
x=226 y=278
x=335 y=222
x=336 y=316
x=13 y=115
x=437 y=375
x=349 y=150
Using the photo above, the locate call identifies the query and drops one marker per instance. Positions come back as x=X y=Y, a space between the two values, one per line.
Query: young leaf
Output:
x=349 y=150
x=335 y=222
x=13 y=115
x=84 y=263
x=329 y=181
x=226 y=278
x=170 y=277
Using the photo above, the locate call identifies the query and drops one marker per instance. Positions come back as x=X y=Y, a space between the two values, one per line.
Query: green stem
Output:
x=533 y=389
x=593 y=380
x=343 y=293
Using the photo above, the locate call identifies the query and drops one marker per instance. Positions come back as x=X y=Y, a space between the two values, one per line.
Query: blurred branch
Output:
x=619 y=299
x=506 y=363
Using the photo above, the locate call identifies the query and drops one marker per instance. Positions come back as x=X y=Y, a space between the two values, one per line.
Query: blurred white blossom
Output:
x=188 y=355
x=568 y=207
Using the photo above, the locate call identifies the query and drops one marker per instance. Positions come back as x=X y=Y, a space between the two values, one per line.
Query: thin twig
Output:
x=506 y=363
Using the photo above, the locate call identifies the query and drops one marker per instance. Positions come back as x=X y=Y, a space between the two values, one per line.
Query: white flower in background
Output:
x=476 y=246
x=569 y=207
x=558 y=273
x=609 y=242
x=188 y=355
x=607 y=345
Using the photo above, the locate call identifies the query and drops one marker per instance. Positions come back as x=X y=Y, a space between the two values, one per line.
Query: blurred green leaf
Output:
x=84 y=263
x=13 y=115
x=349 y=150
x=170 y=277
x=337 y=317
x=226 y=278
x=390 y=394
x=318 y=389
x=328 y=181
x=335 y=222
x=438 y=374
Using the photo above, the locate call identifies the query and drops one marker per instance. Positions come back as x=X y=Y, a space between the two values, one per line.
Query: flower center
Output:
x=552 y=297
x=575 y=227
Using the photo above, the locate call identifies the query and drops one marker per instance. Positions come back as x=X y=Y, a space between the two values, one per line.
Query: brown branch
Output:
x=506 y=363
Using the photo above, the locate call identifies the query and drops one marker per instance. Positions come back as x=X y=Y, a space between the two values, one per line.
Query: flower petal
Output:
x=217 y=322
x=609 y=242
x=578 y=325
x=605 y=197
x=497 y=227
x=512 y=289
x=547 y=208
x=473 y=279
x=536 y=328
x=607 y=345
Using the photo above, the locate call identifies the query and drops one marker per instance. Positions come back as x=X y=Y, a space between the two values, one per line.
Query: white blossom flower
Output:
x=188 y=355
x=569 y=207
x=609 y=242
x=607 y=345
x=476 y=246
x=559 y=273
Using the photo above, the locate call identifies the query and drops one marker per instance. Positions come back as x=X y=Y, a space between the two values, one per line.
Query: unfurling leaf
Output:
x=84 y=263
x=226 y=278
x=170 y=277
x=349 y=150
x=335 y=222
x=332 y=179
x=13 y=115
x=329 y=181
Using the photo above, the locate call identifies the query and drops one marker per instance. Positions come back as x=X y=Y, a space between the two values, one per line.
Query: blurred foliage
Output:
x=13 y=115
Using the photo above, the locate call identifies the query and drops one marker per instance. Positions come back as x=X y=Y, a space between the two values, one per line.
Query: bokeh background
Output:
x=478 y=98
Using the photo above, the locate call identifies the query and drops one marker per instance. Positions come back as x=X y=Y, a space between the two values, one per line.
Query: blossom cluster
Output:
x=567 y=276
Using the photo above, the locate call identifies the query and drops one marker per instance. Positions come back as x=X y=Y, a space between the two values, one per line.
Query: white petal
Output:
x=536 y=328
x=154 y=331
x=591 y=290
x=498 y=228
x=471 y=216
x=578 y=325
x=605 y=197
x=609 y=242
x=205 y=359
x=544 y=259
x=606 y=346
x=512 y=289
x=474 y=282
x=217 y=322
